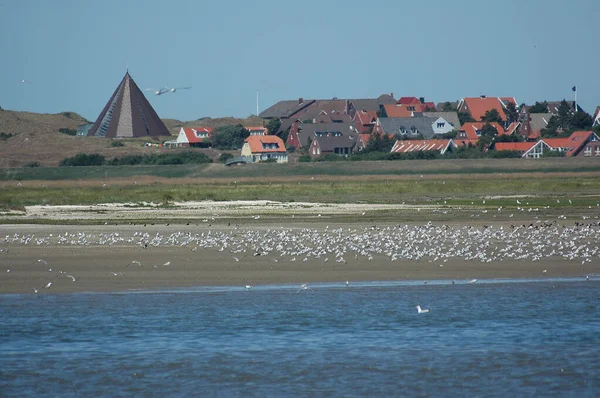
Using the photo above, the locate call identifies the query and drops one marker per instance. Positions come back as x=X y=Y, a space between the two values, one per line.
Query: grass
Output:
x=544 y=191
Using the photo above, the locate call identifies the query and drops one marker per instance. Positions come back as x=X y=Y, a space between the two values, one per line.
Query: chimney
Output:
x=483 y=96
x=300 y=100
x=422 y=100
x=392 y=95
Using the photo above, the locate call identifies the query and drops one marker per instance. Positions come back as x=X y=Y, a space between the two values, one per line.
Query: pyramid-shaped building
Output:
x=128 y=114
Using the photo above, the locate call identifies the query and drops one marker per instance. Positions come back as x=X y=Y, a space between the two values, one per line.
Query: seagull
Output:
x=544 y=271
x=421 y=311
x=117 y=273
x=160 y=91
x=71 y=276
x=249 y=287
x=473 y=281
x=42 y=261
x=25 y=81
x=134 y=262
x=167 y=264
x=48 y=285
x=179 y=88
x=304 y=286
x=35 y=290
x=347 y=283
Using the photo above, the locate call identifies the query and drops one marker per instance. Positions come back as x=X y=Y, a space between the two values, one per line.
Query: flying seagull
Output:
x=159 y=91
x=173 y=89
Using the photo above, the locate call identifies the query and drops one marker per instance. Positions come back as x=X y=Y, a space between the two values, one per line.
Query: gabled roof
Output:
x=366 y=117
x=596 y=116
x=191 y=133
x=538 y=121
x=404 y=146
x=396 y=110
x=285 y=109
x=477 y=106
x=511 y=128
x=408 y=100
x=405 y=125
x=514 y=146
x=450 y=117
x=306 y=130
x=329 y=143
x=573 y=143
x=471 y=129
x=264 y=143
x=372 y=104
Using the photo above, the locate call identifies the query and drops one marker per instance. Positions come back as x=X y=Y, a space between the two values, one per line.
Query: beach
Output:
x=254 y=251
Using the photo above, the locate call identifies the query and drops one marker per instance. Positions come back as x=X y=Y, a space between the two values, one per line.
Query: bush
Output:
x=6 y=136
x=229 y=137
x=189 y=157
x=225 y=157
x=83 y=159
x=117 y=144
x=270 y=160
x=304 y=158
x=33 y=164
x=505 y=154
x=68 y=131
x=291 y=149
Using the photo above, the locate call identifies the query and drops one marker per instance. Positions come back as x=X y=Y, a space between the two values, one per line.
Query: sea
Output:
x=486 y=338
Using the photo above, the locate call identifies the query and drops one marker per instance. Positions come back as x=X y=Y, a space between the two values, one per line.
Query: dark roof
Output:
x=306 y=130
x=395 y=125
x=128 y=114
x=329 y=143
x=285 y=109
x=372 y=104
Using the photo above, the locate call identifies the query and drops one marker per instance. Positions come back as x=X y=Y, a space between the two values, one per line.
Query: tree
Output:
x=512 y=114
x=229 y=137
x=464 y=117
x=581 y=121
x=488 y=133
x=539 y=107
x=273 y=126
x=447 y=107
x=379 y=143
x=492 y=115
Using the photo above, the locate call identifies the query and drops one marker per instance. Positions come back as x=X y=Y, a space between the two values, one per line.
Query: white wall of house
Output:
x=182 y=138
x=442 y=126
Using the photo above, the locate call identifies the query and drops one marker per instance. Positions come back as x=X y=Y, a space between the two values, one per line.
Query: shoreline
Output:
x=109 y=258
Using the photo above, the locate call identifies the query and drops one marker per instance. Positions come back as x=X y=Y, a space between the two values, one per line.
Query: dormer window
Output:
x=478 y=133
x=441 y=125
x=414 y=130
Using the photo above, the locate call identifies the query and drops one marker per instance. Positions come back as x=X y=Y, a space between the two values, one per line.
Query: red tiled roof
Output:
x=191 y=133
x=514 y=146
x=404 y=146
x=478 y=106
x=471 y=129
x=394 y=110
x=408 y=101
x=366 y=117
x=257 y=143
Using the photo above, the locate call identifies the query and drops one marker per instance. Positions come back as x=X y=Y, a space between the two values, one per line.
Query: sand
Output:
x=109 y=268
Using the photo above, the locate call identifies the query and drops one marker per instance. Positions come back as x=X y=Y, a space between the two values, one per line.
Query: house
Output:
x=417 y=126
x=192 y=137
x=310 y=109
x=406 y=107
x=533 y=123
x=334 y=117
x=259 y=148
x=335 y=143
x=579 y=143
x=257 y=130
x=363 y=141
x=476 y=107
x=596 y=117
x=301 y=133
x=364 y=120
x=450 y=117
x=369 y=104
x=523 y=147
x=472 y=130
x=406 y=146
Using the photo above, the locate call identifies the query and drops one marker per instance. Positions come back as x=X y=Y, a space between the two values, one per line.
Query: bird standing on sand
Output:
x=304 y=286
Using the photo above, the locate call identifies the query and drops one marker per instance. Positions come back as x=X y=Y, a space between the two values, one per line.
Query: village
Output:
x=402 y=128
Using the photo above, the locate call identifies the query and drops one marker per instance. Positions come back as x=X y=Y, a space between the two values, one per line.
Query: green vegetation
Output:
x=67 y=131
x=6 y=136
x=115 y=144
x=84 y=159
x=352 y=190
x=33 y=164
x=464 y=117
x=225 y=157
x=566 y=121
x=539 y=107
x=491 y=116
x=229 y=137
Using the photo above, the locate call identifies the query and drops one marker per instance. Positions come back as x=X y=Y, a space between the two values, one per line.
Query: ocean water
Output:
x=518 y=338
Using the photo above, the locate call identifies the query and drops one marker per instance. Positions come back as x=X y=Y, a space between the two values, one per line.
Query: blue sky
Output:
x=75 y=52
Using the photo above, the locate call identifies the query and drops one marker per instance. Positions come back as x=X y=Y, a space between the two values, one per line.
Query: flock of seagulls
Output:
x=426 y=243
x=165 y=90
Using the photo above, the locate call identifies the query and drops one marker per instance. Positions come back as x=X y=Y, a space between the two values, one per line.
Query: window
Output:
x=597 y=151
x=441 y=125
x=410 y=108
x=587 y=151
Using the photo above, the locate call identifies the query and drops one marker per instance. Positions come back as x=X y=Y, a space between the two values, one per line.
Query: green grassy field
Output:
x=265 y=171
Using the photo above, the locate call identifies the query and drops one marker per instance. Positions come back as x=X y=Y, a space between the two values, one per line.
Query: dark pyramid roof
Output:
x=128 y=114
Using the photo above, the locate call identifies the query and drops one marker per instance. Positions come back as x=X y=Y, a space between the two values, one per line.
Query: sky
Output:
x=74 y=53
